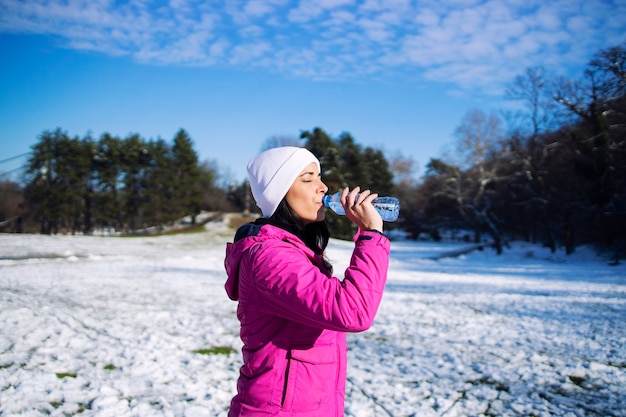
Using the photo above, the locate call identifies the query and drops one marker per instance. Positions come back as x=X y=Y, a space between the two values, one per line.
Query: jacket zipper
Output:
x=286 y=379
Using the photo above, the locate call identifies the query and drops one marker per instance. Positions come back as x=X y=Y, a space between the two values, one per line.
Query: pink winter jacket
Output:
x=294 y=315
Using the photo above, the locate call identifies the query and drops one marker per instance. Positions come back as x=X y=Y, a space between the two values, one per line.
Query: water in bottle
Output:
x=387 y=207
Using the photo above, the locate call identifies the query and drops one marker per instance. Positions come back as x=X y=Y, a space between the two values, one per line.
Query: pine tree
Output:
x=40 y=191
x=355 y=172
x=134 y=160
x=327 y=151
x=160 y=184
x=380 y=176
x=187 y=190
x=59 y=182
x=107 y=177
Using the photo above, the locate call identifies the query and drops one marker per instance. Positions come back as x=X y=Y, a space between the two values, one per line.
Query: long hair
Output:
x=314 y=235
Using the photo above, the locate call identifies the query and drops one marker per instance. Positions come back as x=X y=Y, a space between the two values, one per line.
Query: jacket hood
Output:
x=247 y=236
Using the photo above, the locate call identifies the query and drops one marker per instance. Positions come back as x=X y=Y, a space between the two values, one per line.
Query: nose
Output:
x=323 y=187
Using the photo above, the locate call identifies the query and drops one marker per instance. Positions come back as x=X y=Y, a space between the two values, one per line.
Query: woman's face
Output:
x=305 y=195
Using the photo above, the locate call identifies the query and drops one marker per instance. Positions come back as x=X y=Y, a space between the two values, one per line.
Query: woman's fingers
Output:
x=359 y=209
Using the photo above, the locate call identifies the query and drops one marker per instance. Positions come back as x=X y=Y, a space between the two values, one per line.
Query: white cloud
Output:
x=546 y=19
x=308 y=10
x=386 y=5
x=263 y=7
x=577 y=24
x=427 y=17
x=475 y=43
x=245 y=53
x=218 y=48
x=376 y=30
x=331 y=4
x=258 y=8
x=252 y=31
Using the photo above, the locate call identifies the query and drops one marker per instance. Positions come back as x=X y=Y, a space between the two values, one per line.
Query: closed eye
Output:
x=308 y=176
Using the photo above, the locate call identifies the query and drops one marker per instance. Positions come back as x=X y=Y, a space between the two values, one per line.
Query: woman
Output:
x=294 y=313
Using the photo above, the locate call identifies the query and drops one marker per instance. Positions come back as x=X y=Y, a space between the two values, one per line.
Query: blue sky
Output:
x=399 y=75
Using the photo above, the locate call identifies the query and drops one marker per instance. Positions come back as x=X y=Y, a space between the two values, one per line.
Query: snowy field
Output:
x=104 y=326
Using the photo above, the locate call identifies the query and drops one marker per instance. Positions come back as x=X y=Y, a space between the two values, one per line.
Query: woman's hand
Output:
x=360 y=209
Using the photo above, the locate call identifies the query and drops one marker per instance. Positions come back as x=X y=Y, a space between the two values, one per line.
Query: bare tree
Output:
x=527 y=148
x=479 y=136
x=591 y=98
x=404 y=169
x=532 y=89
x=598 y=102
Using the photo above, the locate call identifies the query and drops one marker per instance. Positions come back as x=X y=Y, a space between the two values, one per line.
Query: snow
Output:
x=110 y=326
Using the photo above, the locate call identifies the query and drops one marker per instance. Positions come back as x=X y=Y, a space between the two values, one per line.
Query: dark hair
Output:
x=314 y=235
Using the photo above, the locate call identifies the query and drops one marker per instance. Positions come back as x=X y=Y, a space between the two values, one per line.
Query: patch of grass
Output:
x=238 y=220
x=62 y=375
x=215 y=350
x=6 y=365
x=109 y=367
x=578 y=380
x=10 y=348
x=196 y=228
x=621 y=365
x=169 y=230
x=489 y=381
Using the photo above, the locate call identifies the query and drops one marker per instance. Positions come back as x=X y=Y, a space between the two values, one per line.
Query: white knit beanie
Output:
x=272 y=173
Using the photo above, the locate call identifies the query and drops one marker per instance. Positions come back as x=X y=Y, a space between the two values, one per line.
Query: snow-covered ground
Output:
x=106 y=326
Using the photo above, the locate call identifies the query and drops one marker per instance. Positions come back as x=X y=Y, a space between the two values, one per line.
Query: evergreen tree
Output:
x=328 y=153
x=355 y=172
x=380 y=175
x=59 y=182
x=344 y=163
x=84 y=171
x=108 y=176
x=160 y=184
x=76 y=184
x=41 y=176
x=134 y=160
x=188 y=180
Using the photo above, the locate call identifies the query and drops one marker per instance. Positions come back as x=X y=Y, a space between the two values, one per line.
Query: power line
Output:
x=10 y=171
x=13 y=157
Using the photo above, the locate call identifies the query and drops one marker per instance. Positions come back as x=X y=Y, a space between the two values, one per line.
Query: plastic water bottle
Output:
x=387 y=207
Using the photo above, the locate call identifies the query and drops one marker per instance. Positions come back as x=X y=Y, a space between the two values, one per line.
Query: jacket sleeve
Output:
x=290 y=286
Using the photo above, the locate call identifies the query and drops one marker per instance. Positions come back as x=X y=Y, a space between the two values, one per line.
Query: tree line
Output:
x=77 y=185
x=553 y=172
